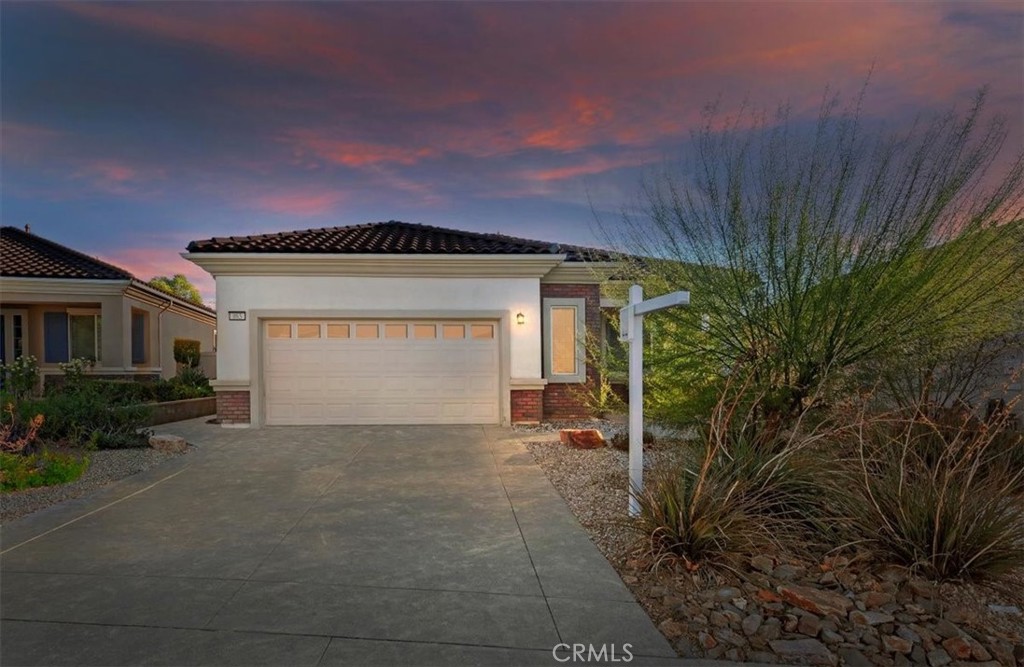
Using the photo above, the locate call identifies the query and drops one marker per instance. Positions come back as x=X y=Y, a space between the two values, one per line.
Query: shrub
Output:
x=15 y=437
x=750 y=493
x=85 y=415
x=191 y=383
x=43 y=469
x=74 y=373
x=186 y=352
x=941 y=497
x=20 y=378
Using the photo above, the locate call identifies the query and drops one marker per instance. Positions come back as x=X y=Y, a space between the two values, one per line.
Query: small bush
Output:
x=187 y=351
x=191 y=383
x=42 y=469
x=940 y=497
x=620 y=440
x=20 y=378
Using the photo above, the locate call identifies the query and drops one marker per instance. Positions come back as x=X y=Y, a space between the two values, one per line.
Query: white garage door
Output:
x=380 y=372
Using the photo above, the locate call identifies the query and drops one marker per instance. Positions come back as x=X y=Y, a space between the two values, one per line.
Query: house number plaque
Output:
x=236 y=315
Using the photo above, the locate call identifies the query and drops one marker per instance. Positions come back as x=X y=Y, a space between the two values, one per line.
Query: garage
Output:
x=381 y=372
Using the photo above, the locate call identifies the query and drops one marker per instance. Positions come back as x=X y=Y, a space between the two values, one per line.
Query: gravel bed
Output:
x=594 y=483
x=105 y=466
x=767 y=611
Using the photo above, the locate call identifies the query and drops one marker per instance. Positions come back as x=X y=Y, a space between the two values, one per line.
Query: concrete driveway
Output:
x=318 y=546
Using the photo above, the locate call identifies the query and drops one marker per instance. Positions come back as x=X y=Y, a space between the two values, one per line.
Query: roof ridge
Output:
x=35 y=238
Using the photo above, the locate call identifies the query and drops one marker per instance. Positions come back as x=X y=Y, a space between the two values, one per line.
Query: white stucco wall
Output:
x=338 y=293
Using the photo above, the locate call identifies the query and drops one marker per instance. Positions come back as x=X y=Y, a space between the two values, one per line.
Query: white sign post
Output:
x=631 y=330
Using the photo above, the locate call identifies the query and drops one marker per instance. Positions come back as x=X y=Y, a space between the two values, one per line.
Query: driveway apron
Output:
x=318 y=545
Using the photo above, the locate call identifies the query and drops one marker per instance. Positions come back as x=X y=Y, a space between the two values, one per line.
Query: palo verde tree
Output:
x=812 y=249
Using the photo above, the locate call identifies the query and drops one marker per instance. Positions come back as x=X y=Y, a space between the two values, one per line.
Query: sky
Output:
x=130 y=128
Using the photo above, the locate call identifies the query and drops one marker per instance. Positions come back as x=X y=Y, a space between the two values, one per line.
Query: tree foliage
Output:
x=178 y=285
x=811 y=250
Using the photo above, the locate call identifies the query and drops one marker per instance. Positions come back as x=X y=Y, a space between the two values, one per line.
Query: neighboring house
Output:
x=394 y=323
x=57 y=304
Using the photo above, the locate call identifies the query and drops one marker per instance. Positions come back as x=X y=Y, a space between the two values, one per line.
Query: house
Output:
x=58 y=304
x=392 y=322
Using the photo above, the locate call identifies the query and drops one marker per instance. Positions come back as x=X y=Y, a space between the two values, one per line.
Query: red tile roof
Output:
x=393 y=237
x=25 y=255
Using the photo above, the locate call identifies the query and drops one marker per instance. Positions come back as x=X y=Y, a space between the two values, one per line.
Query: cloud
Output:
x=348 y=153
x=117 y=177
x=304 y=202
x=146 y=263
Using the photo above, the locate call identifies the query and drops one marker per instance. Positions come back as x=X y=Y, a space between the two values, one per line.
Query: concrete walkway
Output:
x=318 y=546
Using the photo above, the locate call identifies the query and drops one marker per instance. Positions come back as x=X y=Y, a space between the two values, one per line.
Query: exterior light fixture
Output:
x=520 y=318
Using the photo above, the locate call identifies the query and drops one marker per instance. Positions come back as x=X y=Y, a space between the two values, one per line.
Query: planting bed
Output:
x=841 y=611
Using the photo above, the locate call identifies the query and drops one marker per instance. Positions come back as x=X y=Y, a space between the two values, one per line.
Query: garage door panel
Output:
x=381 y=380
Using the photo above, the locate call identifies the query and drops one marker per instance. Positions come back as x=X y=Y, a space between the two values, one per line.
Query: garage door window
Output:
x=337 y=331
x=279 y=331
x=395 y=331
x=366 y=331
x=482 y=331
x=309 y=330
x=564 y=326
x=454 y=330
x=425 y=331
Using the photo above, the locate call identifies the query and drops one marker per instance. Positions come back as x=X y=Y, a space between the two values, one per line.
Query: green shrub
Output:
x=86 y=415
x=186 y=352
x=191 y=383
x=943 y=498
x=43 y=469
x=20 y=378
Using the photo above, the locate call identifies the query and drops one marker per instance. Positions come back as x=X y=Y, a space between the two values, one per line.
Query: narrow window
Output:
x=337 y=331
x=481 y=331
x=425 y=331
x=454 y=330
x=564 y=327
x=395 y=331
x=139 y=332
x=366 y=331
x=309 y=331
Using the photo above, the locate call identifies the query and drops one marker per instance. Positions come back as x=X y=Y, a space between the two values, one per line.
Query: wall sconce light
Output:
x=520 y=318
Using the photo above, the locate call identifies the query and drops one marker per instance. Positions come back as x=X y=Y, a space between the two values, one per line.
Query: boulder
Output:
x=168 y=443
x=581 y=438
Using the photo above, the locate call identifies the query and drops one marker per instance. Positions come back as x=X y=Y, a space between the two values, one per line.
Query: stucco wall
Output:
x=179 y=326
x=340 y=293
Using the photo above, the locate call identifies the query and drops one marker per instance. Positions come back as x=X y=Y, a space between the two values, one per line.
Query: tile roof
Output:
x=394 y=238
x=26 y=255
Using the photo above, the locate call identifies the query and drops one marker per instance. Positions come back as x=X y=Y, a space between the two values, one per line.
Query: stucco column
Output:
x=115 y=323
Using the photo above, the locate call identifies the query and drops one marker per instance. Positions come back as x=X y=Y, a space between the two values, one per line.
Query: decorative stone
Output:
x=876 y=599
x=763 y=563
x=804 y=651
x=765 y=595
x=707 y=641
x=907 y=633
x=958 y=648
x=918 y=655
x=581 y=438
x=809 y=625
x=751 y=624
x=168 y=443
x=938 y=658
x=894 y=644
x=672 y=629
x=1003 y=651
x=921 y=588
x=786 y=572
x=729 y=637
x=830 y=636
x=946 y=629
x=979 y=652
x=851 y=657
x=817 y=602
x=727 y=593
x=772 y=629
x=871 y=618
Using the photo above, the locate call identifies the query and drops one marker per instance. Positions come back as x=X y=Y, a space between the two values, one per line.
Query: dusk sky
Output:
x=130 y=129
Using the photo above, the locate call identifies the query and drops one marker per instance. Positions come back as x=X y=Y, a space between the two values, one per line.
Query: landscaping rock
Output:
x=871 y=618
x=809 y=625
x=851 y=657
x=581 y=438
x=938 y=658
x=763 y=564
x=751 y=624
x=815 y=601
x=172 y=444
x=1009 y=610
x=786 y=572
x=894 y=644
x=804 y=651
x=946 y=629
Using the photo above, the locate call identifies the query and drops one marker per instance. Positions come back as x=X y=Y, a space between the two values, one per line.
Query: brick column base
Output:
x=233 y=407
x=527 y=406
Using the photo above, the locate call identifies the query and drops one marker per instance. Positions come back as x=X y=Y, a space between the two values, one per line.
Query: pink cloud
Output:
x=147 y=263
x=118 y=177
x=354 y=154
x=301 y=202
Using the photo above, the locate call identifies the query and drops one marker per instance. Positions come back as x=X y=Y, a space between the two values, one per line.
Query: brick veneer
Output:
x=233 y=407
x=527 y=406
x=566 y=400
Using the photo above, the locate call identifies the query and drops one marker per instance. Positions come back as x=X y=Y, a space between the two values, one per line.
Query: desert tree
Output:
x=812 y=248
